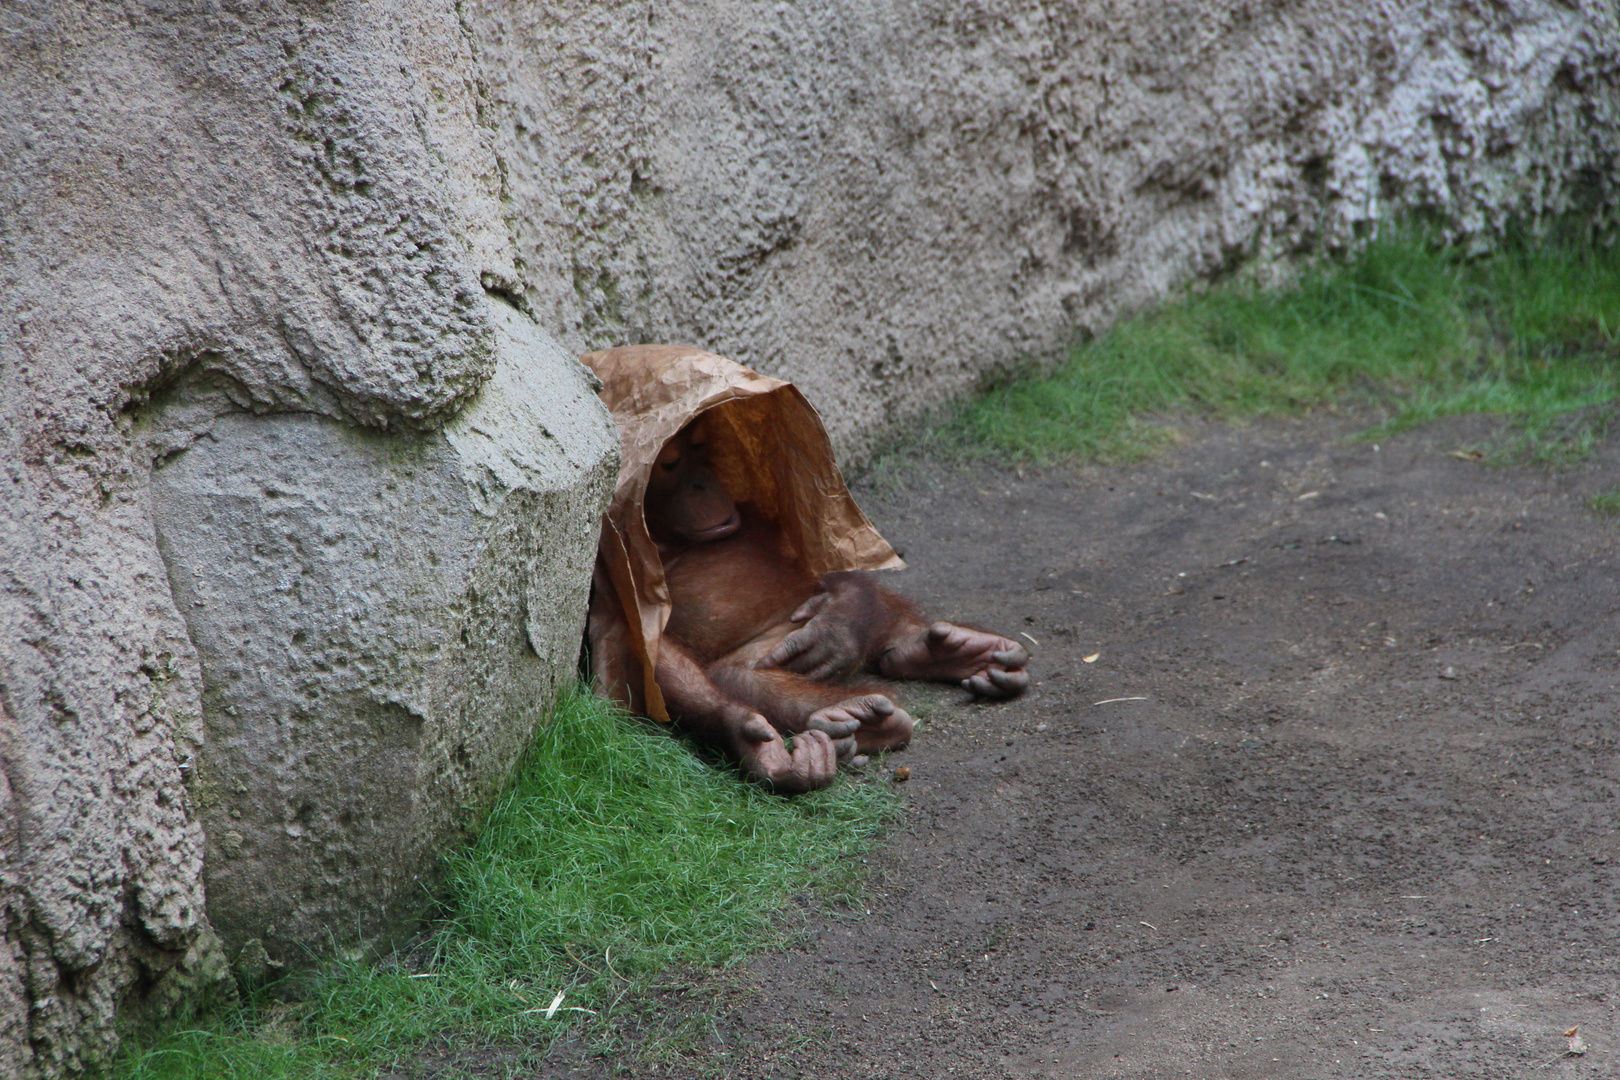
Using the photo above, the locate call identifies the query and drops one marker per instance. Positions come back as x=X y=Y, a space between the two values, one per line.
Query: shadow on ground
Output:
x=1337 y=797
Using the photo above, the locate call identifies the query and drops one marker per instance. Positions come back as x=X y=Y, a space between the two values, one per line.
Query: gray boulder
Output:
x=380 y=620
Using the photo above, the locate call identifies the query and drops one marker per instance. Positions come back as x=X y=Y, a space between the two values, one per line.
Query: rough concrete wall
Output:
x=885 y=200
x=565 y=94
x=237 y=214
x=889 y=201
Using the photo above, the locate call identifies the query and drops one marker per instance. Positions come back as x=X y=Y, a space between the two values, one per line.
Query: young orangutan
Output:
x=756 y=645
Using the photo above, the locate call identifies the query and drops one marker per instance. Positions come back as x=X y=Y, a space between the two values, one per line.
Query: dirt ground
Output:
x=1335 y=798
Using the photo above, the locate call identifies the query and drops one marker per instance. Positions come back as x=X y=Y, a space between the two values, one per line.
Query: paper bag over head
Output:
x=767 y=448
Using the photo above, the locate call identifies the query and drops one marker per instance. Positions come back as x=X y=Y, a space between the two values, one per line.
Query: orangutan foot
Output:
x=985 y=664
x=880 y=724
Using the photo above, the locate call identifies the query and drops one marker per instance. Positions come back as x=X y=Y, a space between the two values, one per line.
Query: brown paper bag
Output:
x=769 y=450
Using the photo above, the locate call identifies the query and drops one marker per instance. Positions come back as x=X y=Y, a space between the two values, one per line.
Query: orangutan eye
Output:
x=669 y=466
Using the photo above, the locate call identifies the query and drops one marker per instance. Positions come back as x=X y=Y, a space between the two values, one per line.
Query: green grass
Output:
x=1606 y=503
x=1530 y=331
x=616 y=855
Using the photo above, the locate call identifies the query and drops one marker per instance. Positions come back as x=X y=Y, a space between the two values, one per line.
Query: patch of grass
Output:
x=616 y=855
x=1606 y=503
x=1531 y=332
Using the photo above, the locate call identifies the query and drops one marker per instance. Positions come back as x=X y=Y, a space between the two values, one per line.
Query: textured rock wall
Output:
x=213 y=217
x=225 y=223
x=884 y=200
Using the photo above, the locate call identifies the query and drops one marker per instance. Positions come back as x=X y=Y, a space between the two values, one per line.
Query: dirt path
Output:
x=1337 y=798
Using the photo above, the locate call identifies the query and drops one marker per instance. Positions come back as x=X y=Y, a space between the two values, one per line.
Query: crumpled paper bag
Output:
x=768 y=448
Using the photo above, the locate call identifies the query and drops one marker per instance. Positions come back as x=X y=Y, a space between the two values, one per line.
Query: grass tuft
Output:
x=1606 y=503
x=615 y=855
x=1530 y=332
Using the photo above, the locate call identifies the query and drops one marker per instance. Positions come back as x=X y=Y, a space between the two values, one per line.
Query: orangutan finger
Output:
x=810 y=655
x=981 y=686
x=836 y=729
x=879 y=706
x=1008 y=681
x=826 y=669
x=815 y=754
x=1015 y=657
x=810 y=607
x=788 y=649
x=757 y=729
x=993 y=683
